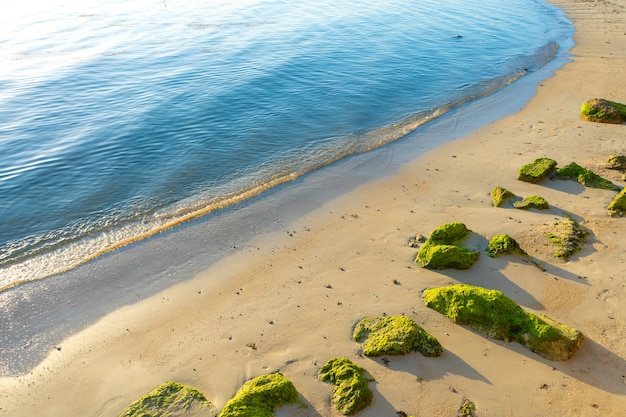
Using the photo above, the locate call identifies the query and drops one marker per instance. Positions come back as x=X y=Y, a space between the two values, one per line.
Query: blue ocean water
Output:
x=121 y=119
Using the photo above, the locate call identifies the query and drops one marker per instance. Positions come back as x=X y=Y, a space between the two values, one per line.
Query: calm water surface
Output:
x=119 y=119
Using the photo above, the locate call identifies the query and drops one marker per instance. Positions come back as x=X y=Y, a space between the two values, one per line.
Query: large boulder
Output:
x=584 y=176
x=492 y=313
x=394 y=335
x=261 y=397
x=170 y=398
x=351 y=393
x=536 y=171
x=444 y=248
x=603 y=111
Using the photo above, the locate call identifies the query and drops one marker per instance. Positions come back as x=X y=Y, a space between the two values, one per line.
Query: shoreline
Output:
x=274 y=290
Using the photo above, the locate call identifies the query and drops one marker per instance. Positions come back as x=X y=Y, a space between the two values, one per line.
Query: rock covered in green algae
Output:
x=532 y=202
x=444 y=248
x=501 y=196
x=351 y=393
x=504 y=245
x=168 y=399
x=617 y=207
x=616 y=162
x=492 y=313
x=568 y=237
x=394 y=335
x=584 y=176
x=603 y=111
x=260 y=397
x=536 y=171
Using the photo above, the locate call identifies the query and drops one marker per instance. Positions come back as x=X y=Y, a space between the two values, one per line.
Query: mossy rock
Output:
x=492 y=313
x=603 y=111
x=351 y=393
x=394 y=335
x=501 y=196
x=568 y=237
x=169 y=399
x=584 y=176
x=443 y=249
x=616 y=162
x=537 y=170
x=617 y=207
x=504 y=245
x=261 y=397
x=532 y=202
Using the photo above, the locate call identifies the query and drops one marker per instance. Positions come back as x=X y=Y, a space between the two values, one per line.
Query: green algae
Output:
x=501 y=196
x=166 y=399
x=584 y=176
x=261 y=396
x=537 y=170
x=532 y=202
x=394 y=335
x=504 y=245
x=617 y=207
x=568 y=237
x=351 y=393
x=603 y=111
x=616 y=162
x=467 y=408
x=492 y=313
x=444 y=248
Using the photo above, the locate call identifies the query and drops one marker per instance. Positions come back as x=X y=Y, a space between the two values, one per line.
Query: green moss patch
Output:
x=501 y=196
x=504 y=245
x=351 y=393
x=532 y=202
x=584 y=176
x=394 y=335
x=617 y=207
x=168 y=399
x=616 y=162
x=492 y=313
x=261 y=397
x=603 y=111
x=537 y=170
x=568 y=237
x=444 y=249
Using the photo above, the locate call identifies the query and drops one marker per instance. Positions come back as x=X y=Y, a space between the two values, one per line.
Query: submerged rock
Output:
x=394 y=335
x=617 y=207
x=351 y=393
x=492 y=313
x=603 y=111
x=536 y=171
x=568 y=237
x=584 y=176
x=504 y=245
x=261 y=397
x=168 y=399
x=444 y=249
x=500 y=196
x=532 y=202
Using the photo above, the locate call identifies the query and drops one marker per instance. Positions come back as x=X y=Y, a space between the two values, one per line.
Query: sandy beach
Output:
x=296 y=294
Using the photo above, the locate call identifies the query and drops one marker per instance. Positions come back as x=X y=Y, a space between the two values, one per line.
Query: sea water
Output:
x=120 y=119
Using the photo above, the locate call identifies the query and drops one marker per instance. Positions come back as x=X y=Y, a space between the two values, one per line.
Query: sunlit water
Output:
x=119 y=119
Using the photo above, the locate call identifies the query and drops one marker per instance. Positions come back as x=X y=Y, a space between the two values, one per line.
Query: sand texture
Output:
x=288 y=301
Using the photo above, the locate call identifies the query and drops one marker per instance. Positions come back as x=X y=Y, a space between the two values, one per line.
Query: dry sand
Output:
x=297 y=295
